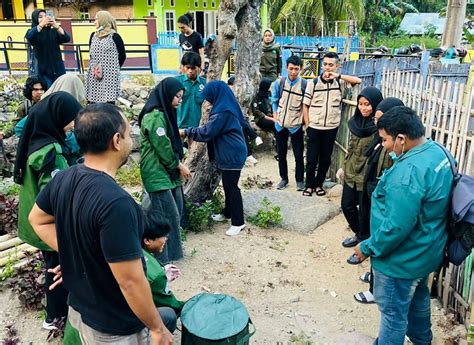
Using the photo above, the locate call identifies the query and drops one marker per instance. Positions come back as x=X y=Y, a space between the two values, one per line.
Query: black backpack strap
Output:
x=304 y=83
x=452 y=162
x=282 y=86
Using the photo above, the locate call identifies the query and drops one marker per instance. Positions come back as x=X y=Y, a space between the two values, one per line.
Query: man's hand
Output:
x=58 y=278
x=184 y=172
x=161 y=337
x=359 y=254
x=330 y=75
x=182 y=133
x=172 y=272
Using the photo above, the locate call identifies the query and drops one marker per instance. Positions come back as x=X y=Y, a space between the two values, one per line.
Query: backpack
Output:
x=304 y=82
x=461 y=215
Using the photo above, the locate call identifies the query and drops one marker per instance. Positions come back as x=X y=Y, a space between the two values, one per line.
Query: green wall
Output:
x=140 y=8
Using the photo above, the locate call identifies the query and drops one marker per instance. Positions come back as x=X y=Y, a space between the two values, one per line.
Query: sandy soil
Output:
x=298 y=288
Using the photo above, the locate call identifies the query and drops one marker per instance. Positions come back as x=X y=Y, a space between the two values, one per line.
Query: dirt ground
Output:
x=298 y=288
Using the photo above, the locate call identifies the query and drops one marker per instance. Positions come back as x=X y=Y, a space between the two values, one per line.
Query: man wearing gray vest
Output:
x=322 y=115
x=287 y=108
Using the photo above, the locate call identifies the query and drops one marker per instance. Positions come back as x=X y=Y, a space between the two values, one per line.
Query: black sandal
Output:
x=308 y=191
x=320 y=192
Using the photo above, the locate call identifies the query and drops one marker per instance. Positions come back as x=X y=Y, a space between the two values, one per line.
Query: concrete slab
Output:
x=299 y=213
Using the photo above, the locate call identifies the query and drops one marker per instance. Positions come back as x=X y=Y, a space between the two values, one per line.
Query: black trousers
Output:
x=234 y=208
x=357 y=218
x=318 y=153
x=56 y=299
x=297 y=142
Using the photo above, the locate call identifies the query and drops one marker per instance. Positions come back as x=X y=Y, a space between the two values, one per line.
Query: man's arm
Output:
x=44 y=226
x=137 y=293
x=306 y=115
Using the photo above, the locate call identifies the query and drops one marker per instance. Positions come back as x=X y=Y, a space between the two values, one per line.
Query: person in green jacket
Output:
x=270 y=62
x=189 y=112
x=40 y=155
x=409 y=215
x=161 y=169
x=363 y=130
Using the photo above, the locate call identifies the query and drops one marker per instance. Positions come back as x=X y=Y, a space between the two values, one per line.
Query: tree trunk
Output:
x=237 y=19
x=453 y=28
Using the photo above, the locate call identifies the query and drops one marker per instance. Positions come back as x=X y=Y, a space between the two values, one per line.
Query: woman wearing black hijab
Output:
x=261 y=107
x=40 y=155
x=162 y=172
x=377 y=161
x=363 y=131
x=45 y=36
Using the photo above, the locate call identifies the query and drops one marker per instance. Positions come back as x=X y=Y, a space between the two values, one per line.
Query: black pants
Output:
x=56 y=299
x=250 y=135
x=319 y=149
x=357 y=219
x=297 y=143
x=234 y=208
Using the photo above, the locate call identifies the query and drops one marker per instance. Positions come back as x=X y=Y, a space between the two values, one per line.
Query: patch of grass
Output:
x=129 y=176
x=257 y=181
x=194 y=252
x=9 y=270
x=267 y=216
x=406 y=41
x=131 y=113
x=143 y=80
x=301 y=339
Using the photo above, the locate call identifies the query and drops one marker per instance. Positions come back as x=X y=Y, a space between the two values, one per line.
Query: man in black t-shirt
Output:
x=97 y=227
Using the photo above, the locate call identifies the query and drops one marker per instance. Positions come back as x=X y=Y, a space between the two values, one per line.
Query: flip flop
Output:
x=320 y=192
x=366 y=277
x=364 y=297
x=353 y=260
x=308 y=191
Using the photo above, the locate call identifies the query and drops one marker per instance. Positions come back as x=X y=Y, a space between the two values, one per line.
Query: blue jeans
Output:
x=404 y=305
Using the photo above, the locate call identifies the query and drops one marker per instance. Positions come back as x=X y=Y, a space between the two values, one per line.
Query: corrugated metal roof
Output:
x=415 y=23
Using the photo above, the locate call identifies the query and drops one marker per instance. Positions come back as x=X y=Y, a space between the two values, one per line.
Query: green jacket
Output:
x=355 y=162
x=189 y=111
x=270 y=62
x=409 y=214
x=158 y=162
x=40 y=169
x=156 y=276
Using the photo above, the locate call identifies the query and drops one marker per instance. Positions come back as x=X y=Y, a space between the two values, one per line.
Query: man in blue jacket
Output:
x=408 y=227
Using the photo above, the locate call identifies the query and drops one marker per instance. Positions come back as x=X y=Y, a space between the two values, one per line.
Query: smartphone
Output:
x=50 y=13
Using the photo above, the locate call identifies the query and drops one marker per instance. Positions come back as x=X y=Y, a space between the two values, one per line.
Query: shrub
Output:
x=199 y=214
x=267 y=216
x=28 y=282
x=8 y=215
x=129 y=176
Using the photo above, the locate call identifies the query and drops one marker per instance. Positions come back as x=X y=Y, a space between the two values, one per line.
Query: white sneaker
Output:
x=235 y=230
x=49 y=325
x=251 y=159
x=218 y=217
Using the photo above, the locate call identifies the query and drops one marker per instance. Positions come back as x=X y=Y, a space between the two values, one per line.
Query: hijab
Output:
x=389 y=103
x=359 y=125
x=222 y=99
x=107 y=24
x=272 y=45
x=46 y=43
x=384 y=106
x=69 y=83
x=161 y=98
x=263 y=95
x=45 y=125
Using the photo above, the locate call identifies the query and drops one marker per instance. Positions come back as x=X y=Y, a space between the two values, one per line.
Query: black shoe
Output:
x=351 y=242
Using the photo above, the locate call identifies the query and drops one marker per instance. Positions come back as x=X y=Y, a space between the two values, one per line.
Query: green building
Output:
x=167 y=13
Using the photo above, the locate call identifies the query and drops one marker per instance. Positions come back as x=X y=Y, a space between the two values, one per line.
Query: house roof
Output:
x=415 y=23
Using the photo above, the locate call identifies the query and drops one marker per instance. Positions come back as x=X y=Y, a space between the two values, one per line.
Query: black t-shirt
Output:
x=191 y=43
x=97 y=223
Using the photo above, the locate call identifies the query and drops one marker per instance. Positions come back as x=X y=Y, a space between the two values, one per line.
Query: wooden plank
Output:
x=16 y=256
x=19 y=248
x=10 y=243
x=446 y=285
x=464 y=130
x=456 y=113
x=3 y=238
